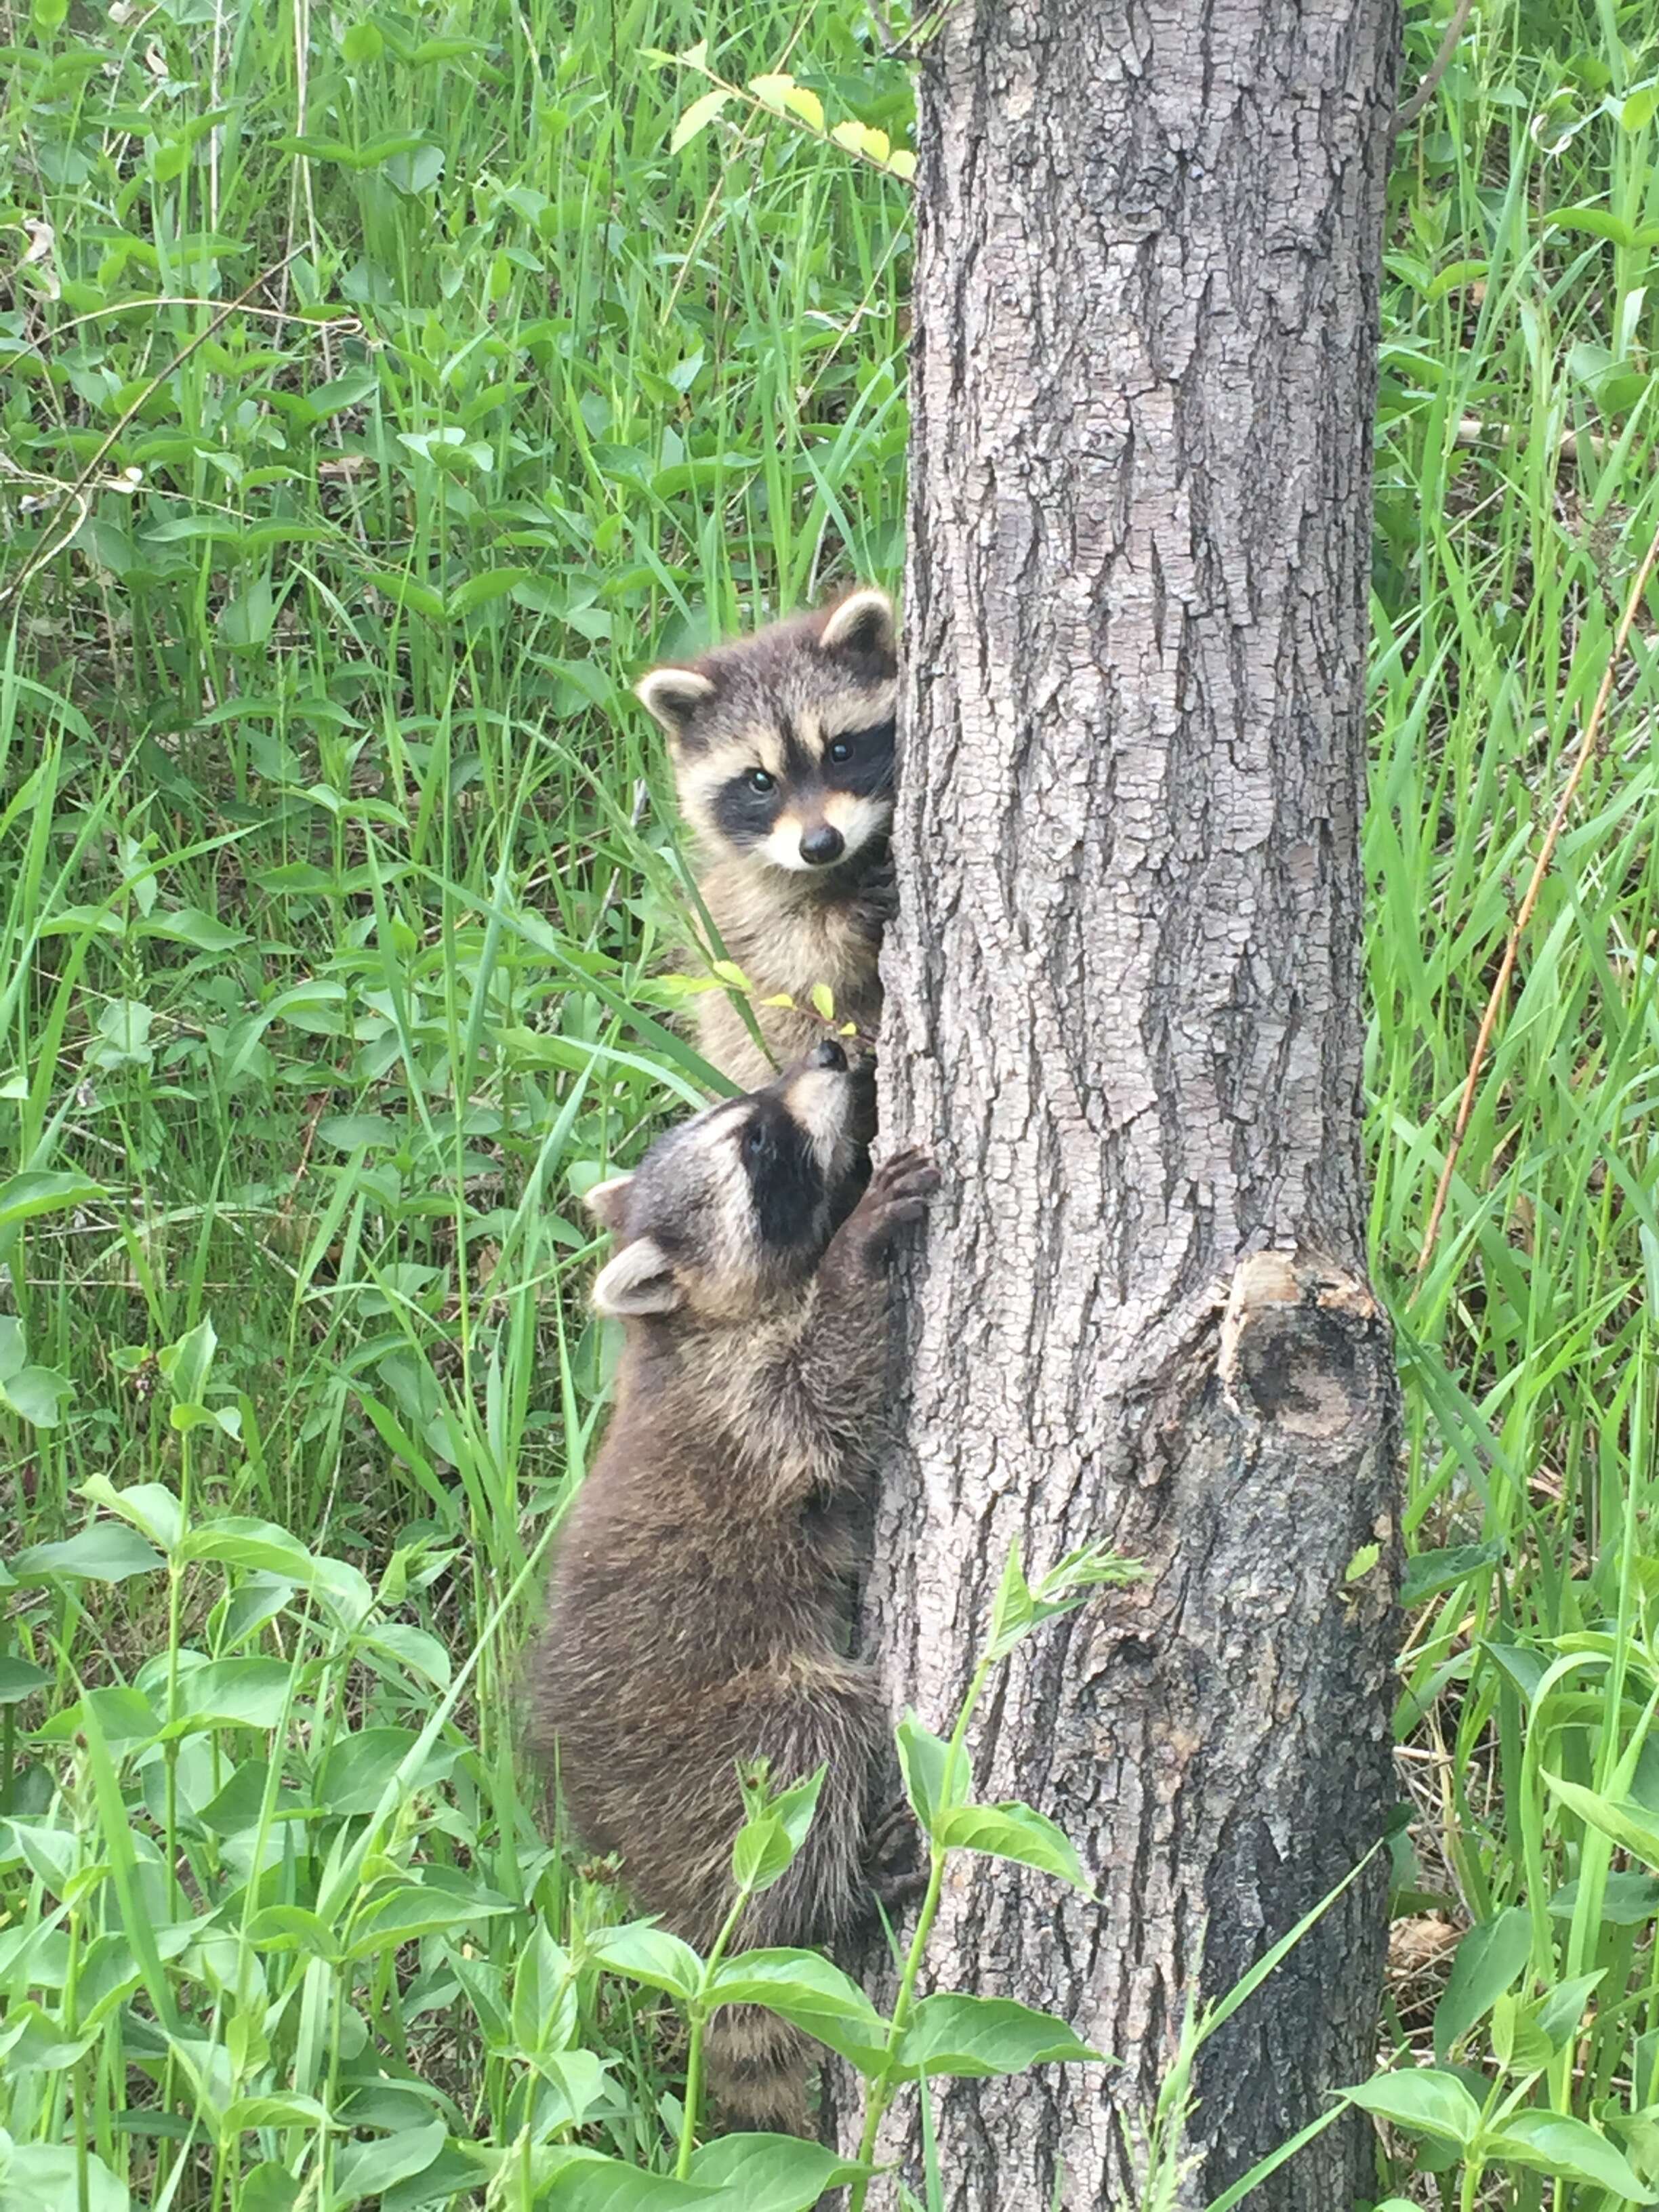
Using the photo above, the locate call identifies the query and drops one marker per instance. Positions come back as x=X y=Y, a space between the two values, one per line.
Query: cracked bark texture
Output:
x=1123 y=1007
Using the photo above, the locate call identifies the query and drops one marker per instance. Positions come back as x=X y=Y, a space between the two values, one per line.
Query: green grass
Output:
x=334 y=871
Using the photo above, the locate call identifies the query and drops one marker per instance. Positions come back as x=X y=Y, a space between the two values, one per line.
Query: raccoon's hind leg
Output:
x=758 y=2065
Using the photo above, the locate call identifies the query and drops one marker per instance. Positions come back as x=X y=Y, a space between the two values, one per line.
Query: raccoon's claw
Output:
x=898 y=1192
x=894 y=1865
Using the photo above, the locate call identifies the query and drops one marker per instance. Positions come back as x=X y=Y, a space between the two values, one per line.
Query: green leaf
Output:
x=268 y=2188
x=415 y=171
x=354 y=1773
x=1563 y=2007
x=150 y=1507
x=1630 y=1825
x=543 y=1994
x=1551 y=2143
x=811 y=1992
x=362 y=45
x=20 y=1679
x=14 y=1353
x=647 y=1954
x=37 y=1395
x=696 y=117
x=237 y=1540
x=587 y=2181
x=368 y=2169
x=761 y=1853
x=1427 y=1574
x=289 y=2110
x=190 y=925
x=1518 y=2042
x=1013 y=1831
x=295 y=1928
x=975 y=2037
x=26 y=1197
x=106 y=1553
x=1424 y=2100
x=1488 y=1960
x=772 y=2174
x=924 y=1761
x=186 y=1363
x=231 y=1693
x=41 y=2175
x=417 y=1908
x=1627 y=1900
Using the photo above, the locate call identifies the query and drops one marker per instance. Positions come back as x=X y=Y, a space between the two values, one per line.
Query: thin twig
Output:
x=1405 y=116
x=1540 y=868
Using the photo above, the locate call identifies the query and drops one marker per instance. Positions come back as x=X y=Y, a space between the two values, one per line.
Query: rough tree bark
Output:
x=1123 y=1005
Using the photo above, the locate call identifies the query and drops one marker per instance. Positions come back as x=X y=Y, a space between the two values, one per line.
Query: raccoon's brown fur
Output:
x=698 y=1609
x=796 y=875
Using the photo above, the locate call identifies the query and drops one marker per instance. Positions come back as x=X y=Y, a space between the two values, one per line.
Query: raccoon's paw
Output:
x=897 y=1193
x=896 y=1865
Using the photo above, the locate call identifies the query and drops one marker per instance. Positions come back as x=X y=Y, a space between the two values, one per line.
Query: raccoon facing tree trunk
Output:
x=1123 y=1008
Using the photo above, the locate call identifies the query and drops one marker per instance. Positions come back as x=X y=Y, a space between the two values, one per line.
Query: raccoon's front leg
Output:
x=842 y=1366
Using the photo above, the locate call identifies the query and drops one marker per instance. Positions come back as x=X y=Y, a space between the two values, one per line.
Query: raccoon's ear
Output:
x=608 y=1201
x=673 y=695
x=862 y=624
x=639 y=1281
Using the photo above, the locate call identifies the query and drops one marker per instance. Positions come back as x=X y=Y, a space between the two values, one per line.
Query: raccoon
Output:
x=698 y=1613
x=782 y=748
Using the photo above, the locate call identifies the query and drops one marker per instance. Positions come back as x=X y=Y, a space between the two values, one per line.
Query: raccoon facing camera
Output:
x=698 y=1610
x=782 y=748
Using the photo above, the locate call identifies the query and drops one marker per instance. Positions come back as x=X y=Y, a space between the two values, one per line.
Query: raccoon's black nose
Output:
x=828 y=1054
x=822 y=845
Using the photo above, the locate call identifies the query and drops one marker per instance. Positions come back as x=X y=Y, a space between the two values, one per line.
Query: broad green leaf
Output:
x=416 y=1908
x=43 y=2176
x=288 y=2110
x=125 y=1717
x=13 y=1352
x=813 y=1993
x=353 y=1775
x=761 y=1853
x=368 y=2169
x=772 y=2174
x=26 y=1197
x=796 y=1806
x=231 y=1693
x=1551 y=2143
x=1561 y=2009
x=1424 y=2100
x=106 y=1553
x=585 y=2181
x=647 y=1954
x=38 y=1395
x=696 y=117
x=543 y=1994
x=1427 y=1574
x=238 y=1541
x=923 y=1760
x=1488 y=1960
x=187 y=1365
x=1518 y=2041
x=151 y=1507
x=1627 y=1900
x=295 y=1928
x=1013 y=1831
x=975 y=2037
x=188 y=925
x=20 y=1679
x=268 y=2187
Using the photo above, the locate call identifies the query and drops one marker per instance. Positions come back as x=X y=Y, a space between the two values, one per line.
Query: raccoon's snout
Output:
x=828 y=1054
x=820 y=846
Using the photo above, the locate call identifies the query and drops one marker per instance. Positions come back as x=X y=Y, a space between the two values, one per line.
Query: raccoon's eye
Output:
x=841 y=750
x=758 y=779
x=756 y=1141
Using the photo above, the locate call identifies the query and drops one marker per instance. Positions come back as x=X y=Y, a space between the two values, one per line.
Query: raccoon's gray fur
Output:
x=697 y=1614
x=782 y=747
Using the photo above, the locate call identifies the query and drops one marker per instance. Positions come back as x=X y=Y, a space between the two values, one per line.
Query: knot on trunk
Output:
x=1301 y=1346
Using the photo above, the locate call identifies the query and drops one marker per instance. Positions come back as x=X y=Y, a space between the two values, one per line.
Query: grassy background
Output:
x=333 y=866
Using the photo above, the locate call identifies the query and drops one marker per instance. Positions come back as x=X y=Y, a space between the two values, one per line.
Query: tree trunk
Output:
x=1123 y=1006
